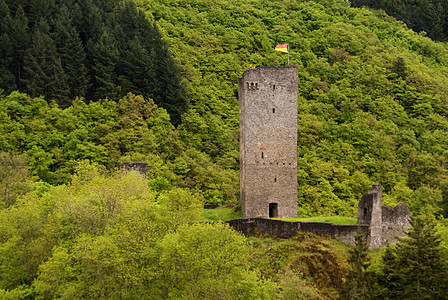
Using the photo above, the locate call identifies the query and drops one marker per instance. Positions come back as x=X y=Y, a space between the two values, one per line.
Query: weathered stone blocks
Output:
x=268 y=141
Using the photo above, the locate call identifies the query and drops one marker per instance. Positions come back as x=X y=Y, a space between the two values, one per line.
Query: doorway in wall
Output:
x=273 y=210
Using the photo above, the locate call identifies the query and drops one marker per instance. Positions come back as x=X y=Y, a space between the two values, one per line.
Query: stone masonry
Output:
x=386 y=223
x=268 y=141
x=379 y=224
x=140 y=167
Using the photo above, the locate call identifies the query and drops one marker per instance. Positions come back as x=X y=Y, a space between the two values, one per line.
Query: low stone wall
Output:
x=140 y=167
x=285 y=229
x=344 y=233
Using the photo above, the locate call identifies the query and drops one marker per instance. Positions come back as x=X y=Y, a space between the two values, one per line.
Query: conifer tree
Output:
x=7 y=80
x=416 y=267
x=72 y=53
x=20 y=38
x=45 y=76
x=359 y=281
x=146 y=62
x=105 y=56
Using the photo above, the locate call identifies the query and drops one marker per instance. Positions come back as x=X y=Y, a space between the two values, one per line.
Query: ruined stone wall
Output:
x=370 y=212
x=268 y=141
x=140 y=167
x=380 y=224
x=284 y=229
x=395 y=223
x=386 y=223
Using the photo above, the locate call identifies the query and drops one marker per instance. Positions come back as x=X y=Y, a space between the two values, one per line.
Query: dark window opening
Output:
x=273 y=210
x=365 y=212
x=273 y=110
x=262 y=155
x=275 y=179
x=273 y=87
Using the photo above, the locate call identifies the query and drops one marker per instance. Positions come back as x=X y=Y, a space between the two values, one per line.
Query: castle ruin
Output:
x=379 y=224
x=268 y=167
x=268 y=141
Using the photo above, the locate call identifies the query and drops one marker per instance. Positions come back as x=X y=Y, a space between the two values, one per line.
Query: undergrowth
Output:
x=307 y=266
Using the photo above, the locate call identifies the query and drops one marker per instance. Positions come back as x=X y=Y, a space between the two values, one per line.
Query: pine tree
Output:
x=416 y=267
x=72 y=53
x=7 y=80
x=20 y=38
x=105 y=56
x=45 y=75
x=147 y=63
x=359 y=281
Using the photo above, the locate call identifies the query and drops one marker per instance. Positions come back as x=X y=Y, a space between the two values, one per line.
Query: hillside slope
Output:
x=372 y=95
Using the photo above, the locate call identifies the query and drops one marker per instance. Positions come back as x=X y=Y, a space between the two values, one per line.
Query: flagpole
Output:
x=288 y=53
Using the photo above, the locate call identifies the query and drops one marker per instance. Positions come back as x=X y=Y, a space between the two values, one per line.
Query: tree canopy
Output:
x=92 y=49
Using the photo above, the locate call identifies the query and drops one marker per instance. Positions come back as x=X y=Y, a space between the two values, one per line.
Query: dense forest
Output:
x=429 y=16
x=88 y=84
x=92 y=49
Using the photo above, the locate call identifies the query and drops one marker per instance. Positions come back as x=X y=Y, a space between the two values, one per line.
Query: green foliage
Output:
x=108 y=133
x=221 y=214
x=307 y=265
x=85 y=52
x=359 y=281
x=191 y=267
x=26 y=240
x=415 y=267
x=117 y=241
x=368 y=87
x=427 y=16
x=372 y=105
x=180 y=206
x=13 y=176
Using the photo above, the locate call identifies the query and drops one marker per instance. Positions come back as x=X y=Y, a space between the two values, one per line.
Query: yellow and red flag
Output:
x=282 y=48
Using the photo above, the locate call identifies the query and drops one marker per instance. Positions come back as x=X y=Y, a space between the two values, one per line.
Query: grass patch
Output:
x=225 y=214
x=221 y=214
x=335 y=220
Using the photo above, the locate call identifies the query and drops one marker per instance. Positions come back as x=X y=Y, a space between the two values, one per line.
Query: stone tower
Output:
x=370 y=212
x=268 y=141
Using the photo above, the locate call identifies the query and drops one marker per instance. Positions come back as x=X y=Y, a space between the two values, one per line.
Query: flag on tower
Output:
x=282 y=48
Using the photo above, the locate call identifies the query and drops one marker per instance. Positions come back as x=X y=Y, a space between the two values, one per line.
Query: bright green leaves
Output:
x=206 y=261
x=116 y=240
x=13 y=176
x=26 y=240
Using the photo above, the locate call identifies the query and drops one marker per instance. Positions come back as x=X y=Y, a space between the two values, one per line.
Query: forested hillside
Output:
x=372 y=94
x=88 y=84
x=94 y=49
x=429 y=16
x=373 y=101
